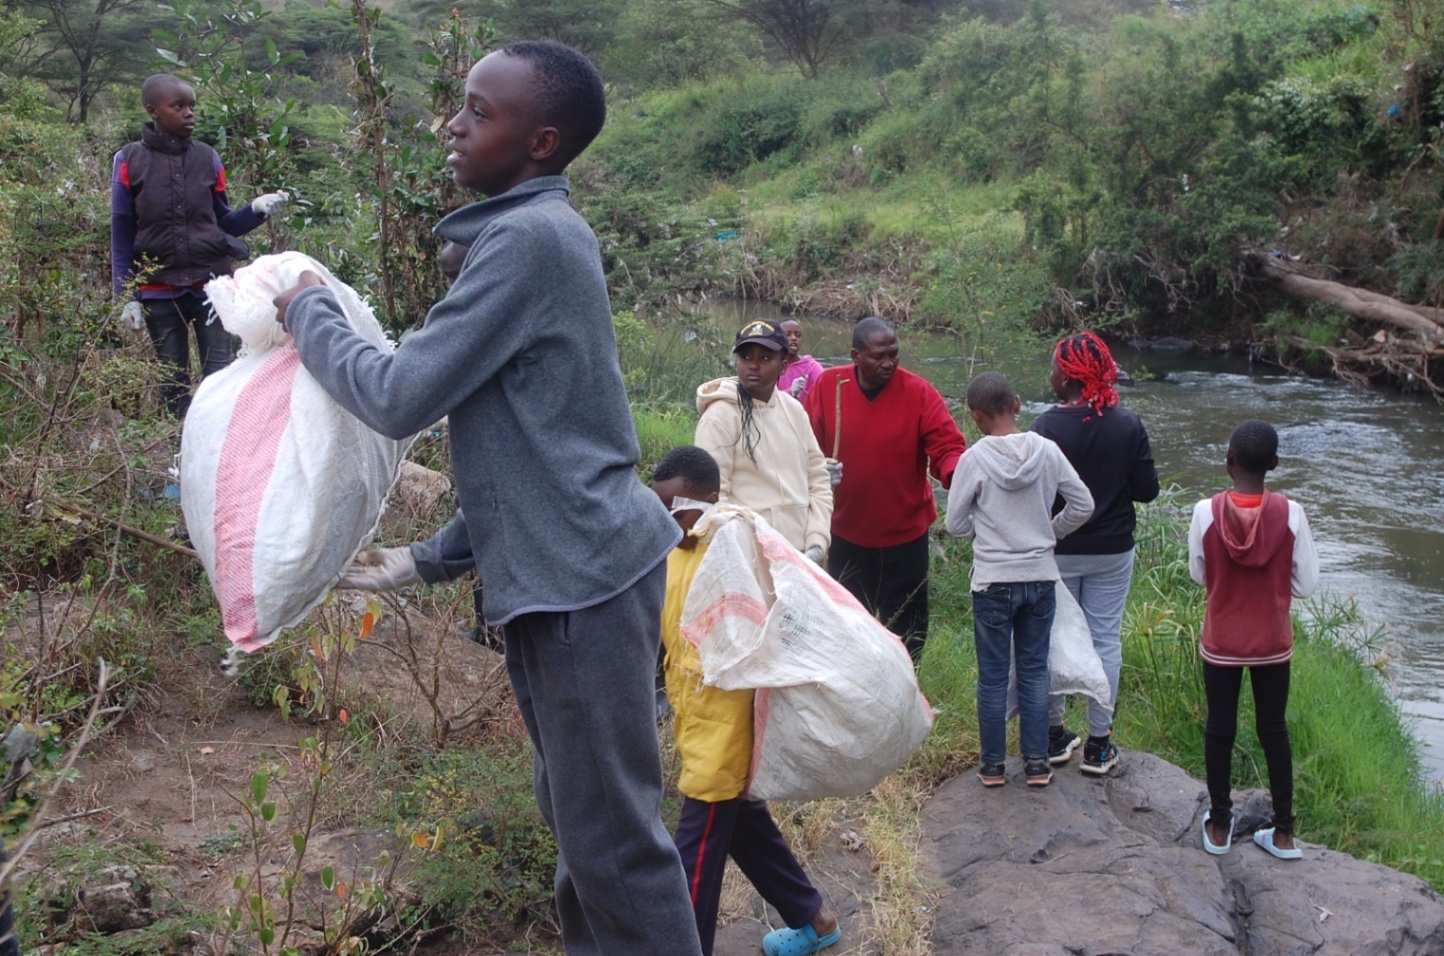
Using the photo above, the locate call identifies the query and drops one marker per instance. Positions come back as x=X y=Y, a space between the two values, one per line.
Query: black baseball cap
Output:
x=763 y=332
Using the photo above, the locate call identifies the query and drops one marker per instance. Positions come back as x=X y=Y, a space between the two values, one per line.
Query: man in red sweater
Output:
x=889 y=428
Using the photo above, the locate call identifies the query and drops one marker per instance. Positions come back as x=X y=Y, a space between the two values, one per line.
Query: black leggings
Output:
x=1270 y=699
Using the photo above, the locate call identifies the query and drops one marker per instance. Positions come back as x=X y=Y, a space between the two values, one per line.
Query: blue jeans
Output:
x=1013 y=621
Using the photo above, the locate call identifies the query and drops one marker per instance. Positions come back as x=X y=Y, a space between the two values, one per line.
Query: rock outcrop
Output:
x=1092 y=866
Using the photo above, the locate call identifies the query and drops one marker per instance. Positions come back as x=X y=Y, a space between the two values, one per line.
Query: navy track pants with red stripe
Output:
x=744 y=829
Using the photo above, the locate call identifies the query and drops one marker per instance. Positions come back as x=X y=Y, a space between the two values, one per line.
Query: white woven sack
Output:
x=281 y=486
x=1073 y=663
x=838 y=706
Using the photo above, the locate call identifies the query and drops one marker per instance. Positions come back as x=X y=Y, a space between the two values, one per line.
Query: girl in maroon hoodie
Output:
x=1252 y=550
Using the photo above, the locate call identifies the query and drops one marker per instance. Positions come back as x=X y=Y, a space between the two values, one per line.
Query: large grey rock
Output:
x=1115 y=866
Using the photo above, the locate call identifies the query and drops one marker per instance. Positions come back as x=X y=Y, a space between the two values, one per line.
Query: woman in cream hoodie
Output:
x=764 y=446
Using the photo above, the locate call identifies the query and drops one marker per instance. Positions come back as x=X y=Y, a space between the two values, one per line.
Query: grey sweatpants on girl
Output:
x=1099 y=583
x=585 y=682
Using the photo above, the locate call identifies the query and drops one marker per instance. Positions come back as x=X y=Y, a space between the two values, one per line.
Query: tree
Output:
x=84 y=47
x=670 y=42
x=19 y=97
x=587 y=25
x=807 y=31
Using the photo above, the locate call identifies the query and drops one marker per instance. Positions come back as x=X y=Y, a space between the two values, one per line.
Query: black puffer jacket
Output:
x=174 y=182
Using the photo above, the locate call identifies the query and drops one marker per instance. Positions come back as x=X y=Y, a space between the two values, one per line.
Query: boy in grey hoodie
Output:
x=522 y=358
x=1001 y=500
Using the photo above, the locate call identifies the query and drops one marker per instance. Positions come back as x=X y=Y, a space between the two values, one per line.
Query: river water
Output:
x=1367 y=465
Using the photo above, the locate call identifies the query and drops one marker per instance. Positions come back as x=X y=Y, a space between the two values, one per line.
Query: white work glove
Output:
x=834 y=471
x=265 y=206
x=381 y=569
x=133 y=316
x=798 y=386
x=813 y=554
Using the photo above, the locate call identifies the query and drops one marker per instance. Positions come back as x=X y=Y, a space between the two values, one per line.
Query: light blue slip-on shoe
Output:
x=1214 y=848
x=798 y=942
x=1265 y=839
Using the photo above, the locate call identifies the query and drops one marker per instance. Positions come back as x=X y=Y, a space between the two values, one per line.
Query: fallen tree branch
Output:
x=1403 y=361
x=1360 y=303
x=121 y=526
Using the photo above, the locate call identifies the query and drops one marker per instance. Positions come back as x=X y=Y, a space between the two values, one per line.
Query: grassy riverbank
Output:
x=1359 y=786
x=1357 y=776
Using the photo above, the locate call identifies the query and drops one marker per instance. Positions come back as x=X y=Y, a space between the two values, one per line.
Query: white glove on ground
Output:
x=381 y=569
x=813 y=554
x=798 y=386
x=270 y=203
x=834 y=471
x=133 y=316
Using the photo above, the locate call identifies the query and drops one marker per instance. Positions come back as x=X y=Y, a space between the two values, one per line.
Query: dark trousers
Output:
x=583 y=682
x=1221 y=685
x=167 y=320
x=9 y=944
x=744 y=829
x=892 y=583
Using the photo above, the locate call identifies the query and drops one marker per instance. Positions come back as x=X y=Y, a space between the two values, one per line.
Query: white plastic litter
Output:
x=281 y=486
x=838 y=706
x=1073 y=663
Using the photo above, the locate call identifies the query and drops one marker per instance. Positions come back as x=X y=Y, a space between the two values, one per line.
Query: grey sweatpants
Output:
x=1099 y=583
x=585 y=683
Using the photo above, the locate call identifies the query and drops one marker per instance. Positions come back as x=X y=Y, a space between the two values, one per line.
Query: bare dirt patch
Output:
x=171 y=778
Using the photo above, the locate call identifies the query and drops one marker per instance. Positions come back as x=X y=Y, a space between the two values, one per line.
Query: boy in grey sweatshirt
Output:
x=1001 y=500
x=522 y=357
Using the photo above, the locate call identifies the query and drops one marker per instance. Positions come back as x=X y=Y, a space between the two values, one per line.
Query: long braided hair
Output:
x=1086 y=360
x=751 y=433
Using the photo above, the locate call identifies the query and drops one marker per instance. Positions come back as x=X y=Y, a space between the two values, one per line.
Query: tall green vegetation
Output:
x=1112 y=171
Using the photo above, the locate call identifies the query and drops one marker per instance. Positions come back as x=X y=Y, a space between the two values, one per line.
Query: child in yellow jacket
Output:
x=714 y=741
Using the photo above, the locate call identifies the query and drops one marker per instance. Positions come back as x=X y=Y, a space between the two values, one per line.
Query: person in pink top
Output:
x=802 y=370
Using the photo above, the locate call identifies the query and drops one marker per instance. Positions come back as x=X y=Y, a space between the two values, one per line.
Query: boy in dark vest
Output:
x=171 y=230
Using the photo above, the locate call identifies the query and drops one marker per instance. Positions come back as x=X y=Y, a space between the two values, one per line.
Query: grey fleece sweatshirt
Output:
x=1002 y=495
x=521 y=355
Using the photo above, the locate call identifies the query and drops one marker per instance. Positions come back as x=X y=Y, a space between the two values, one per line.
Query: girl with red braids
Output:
x=1108 y=446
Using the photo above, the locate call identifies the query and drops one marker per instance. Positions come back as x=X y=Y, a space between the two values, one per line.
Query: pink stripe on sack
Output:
x=730 y=604
x=248 y=456
x=777 y=550
x=761 y=705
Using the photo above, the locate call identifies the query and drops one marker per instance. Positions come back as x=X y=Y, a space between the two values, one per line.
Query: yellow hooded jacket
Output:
x=713 y=726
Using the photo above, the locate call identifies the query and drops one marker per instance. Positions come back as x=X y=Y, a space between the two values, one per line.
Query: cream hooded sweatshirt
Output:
x=787 y=484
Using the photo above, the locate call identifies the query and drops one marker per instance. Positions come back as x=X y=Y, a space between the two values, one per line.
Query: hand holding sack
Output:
x=838 y=706
x=281 y=486
x=381 y=569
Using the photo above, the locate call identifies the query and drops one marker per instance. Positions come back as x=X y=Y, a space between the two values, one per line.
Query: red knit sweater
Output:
x=889 y=445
